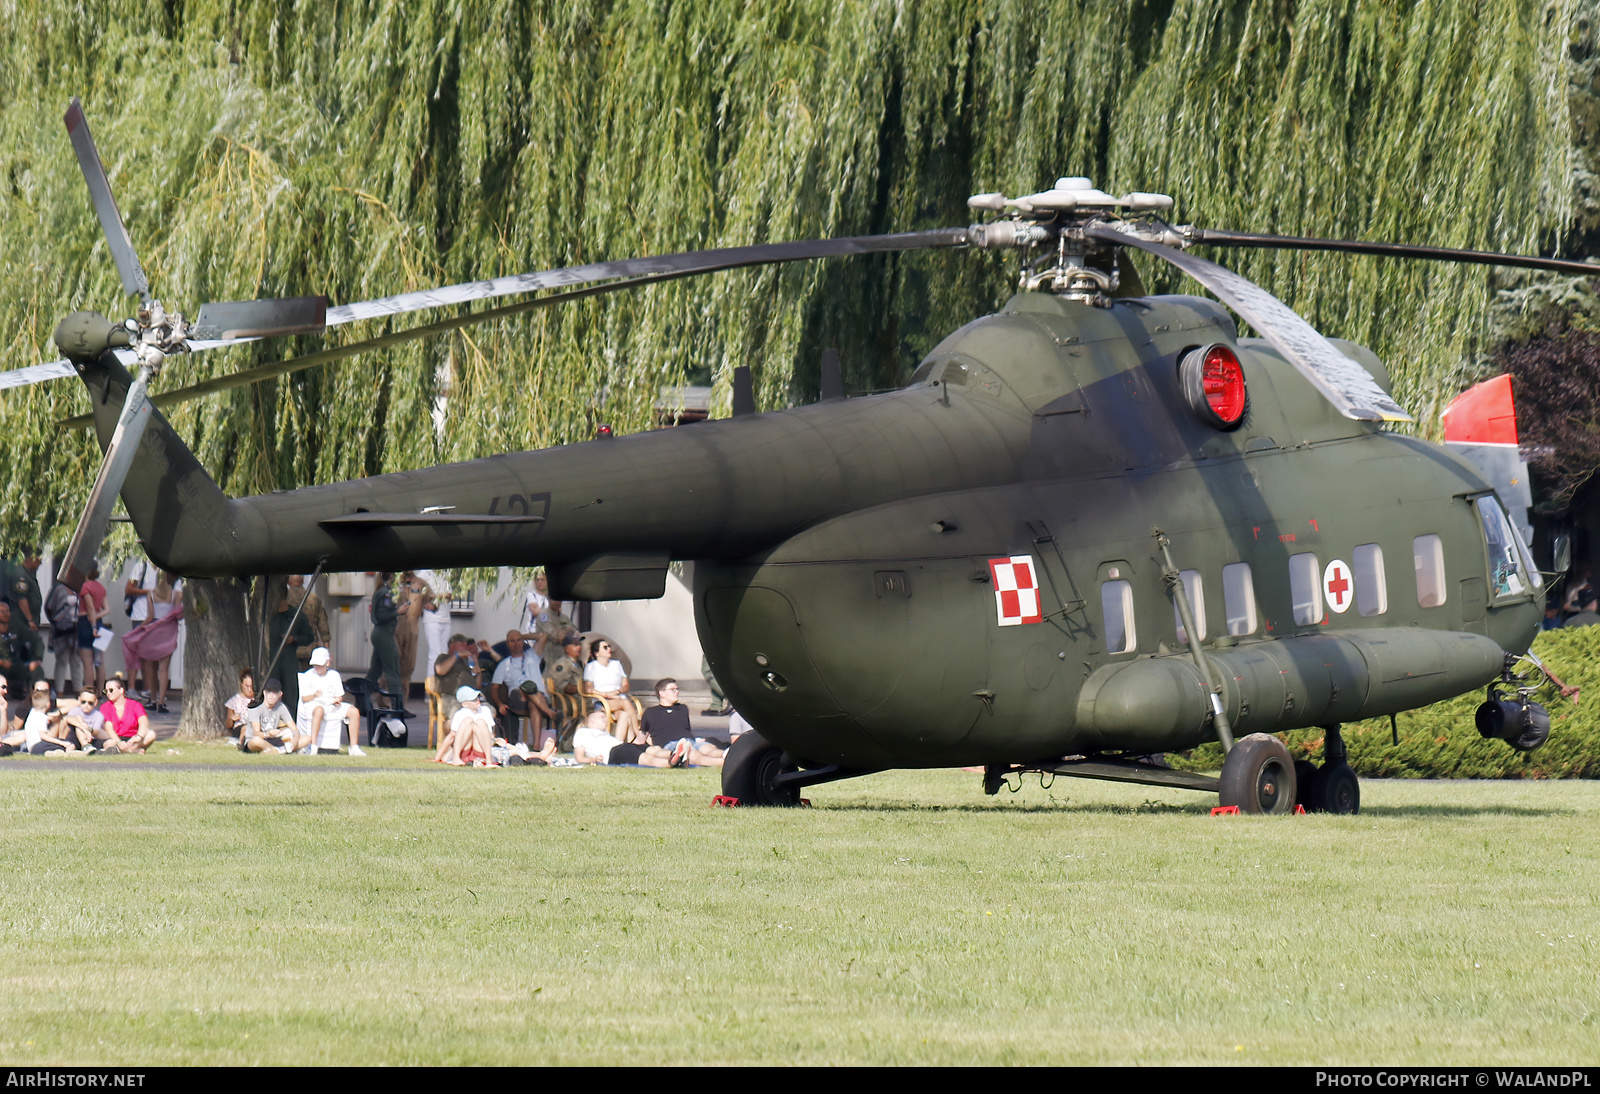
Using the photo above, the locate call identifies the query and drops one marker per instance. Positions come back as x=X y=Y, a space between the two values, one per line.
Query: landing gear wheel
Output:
x=1334 y=789
x=749 y=769
x=1304 y=772
x=1258 y=776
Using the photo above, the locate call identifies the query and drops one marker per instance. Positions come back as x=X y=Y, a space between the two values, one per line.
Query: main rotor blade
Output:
x=105 y=206
x=1218 y=238
x=684 y=264
x=262 y=318
x=91 y=530
x=702 y=262
x=1343 y=382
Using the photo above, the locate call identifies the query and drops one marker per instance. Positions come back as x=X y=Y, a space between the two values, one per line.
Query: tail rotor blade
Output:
x=262 y=318
x=105 y=206
x=91 y=531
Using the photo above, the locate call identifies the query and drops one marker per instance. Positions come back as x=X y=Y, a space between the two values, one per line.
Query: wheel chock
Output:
x=1233 y=811
x=724 y=801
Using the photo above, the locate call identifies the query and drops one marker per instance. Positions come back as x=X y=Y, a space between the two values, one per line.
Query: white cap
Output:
x=466 y=692
x=319 y=656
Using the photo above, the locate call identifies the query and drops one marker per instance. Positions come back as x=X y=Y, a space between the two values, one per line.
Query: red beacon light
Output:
x=1213 y=385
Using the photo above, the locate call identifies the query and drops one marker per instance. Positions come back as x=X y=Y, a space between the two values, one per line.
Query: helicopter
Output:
x=1094 y=527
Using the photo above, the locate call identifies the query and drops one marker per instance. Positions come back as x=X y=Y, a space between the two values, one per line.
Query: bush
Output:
x=1441 y=741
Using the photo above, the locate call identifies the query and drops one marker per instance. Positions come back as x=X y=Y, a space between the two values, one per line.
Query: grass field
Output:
x=293 y=910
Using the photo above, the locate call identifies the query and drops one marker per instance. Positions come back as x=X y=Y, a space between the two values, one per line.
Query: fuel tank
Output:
x=1160 y=703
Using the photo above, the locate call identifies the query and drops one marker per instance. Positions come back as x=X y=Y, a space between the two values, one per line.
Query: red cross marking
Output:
x=1338 y=587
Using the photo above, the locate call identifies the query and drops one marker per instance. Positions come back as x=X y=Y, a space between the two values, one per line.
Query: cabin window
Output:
x=1427 y=554
x=1197 y=604
x=1305 y=588
x=1507 y=574
x=1116 y=602
x=1239 y=598
x=1372 y=591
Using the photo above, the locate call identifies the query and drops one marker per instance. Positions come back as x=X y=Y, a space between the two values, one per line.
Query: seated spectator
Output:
x=243 y=700
x=606 y=683
x=321 y=700
x=269 y=727
x=341 y=713
x=87 y=724
x=512 y=700
x=127 y=718
x=471 y=733
x=667 y=727
x=42 y=730
x=453 y=670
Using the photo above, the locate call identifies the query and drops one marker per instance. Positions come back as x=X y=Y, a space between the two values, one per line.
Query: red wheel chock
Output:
x=1233 y=811
x=724 y=801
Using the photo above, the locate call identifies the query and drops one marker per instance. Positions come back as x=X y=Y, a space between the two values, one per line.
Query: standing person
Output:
x=61 y=610
x=91 y=611
x=435 y=614
x=136 y=590
x=24 y=592
x=285 y=666
x=156 y=657
x=127 y=718
x=310 y=605
x=385 y=653
x=21 y=661
x=536 y=605
x=406 y=628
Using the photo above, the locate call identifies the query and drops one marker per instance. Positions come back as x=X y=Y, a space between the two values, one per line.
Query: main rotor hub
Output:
x=1075 y=266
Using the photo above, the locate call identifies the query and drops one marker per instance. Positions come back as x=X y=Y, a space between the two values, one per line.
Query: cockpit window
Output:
x=1509 y=574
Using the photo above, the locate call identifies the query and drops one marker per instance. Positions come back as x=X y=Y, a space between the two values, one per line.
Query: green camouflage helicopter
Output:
x=1095 y=526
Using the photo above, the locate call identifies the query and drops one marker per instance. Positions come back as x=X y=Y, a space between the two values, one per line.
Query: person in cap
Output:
x=269 y=727
x=471 y=731
x=566 y=671
x=322 y=700
x=456 y=668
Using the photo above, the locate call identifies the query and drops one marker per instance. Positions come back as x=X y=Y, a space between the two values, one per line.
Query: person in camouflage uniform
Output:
x=314 y=613
x=555 y=626
x=565 y=672
x=21 y=660
x=22 y=590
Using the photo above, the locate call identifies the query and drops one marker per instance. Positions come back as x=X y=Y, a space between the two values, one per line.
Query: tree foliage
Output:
x=363 y=148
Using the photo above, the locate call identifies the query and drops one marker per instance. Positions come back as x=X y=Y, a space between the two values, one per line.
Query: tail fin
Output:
x=182 y=517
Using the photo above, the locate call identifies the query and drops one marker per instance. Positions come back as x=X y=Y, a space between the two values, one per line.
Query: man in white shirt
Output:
x=435 y=620
x=322 y=700
x=511 y=699
x=140 y=583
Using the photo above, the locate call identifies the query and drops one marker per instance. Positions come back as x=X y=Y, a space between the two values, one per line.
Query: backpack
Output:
x=129 y=601
x=61 y=608
x=391 y=733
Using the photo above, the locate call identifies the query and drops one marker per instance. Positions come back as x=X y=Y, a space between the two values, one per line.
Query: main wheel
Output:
x=750 y=768
x=1258 y=776
x=1334 y=789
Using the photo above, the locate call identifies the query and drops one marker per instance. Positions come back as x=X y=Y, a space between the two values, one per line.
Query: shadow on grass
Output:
x=1056 y=806
x=1463 y=811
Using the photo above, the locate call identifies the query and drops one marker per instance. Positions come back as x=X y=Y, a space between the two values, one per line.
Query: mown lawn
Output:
x=298 y=911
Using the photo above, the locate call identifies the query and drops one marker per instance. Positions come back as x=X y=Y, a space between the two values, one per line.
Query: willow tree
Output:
x=366 y=147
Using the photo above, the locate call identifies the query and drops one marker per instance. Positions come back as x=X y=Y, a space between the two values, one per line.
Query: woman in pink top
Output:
x=127 y=719
x=91 y=610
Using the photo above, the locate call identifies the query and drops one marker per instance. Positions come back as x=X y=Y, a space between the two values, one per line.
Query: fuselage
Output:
x=845 y=553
